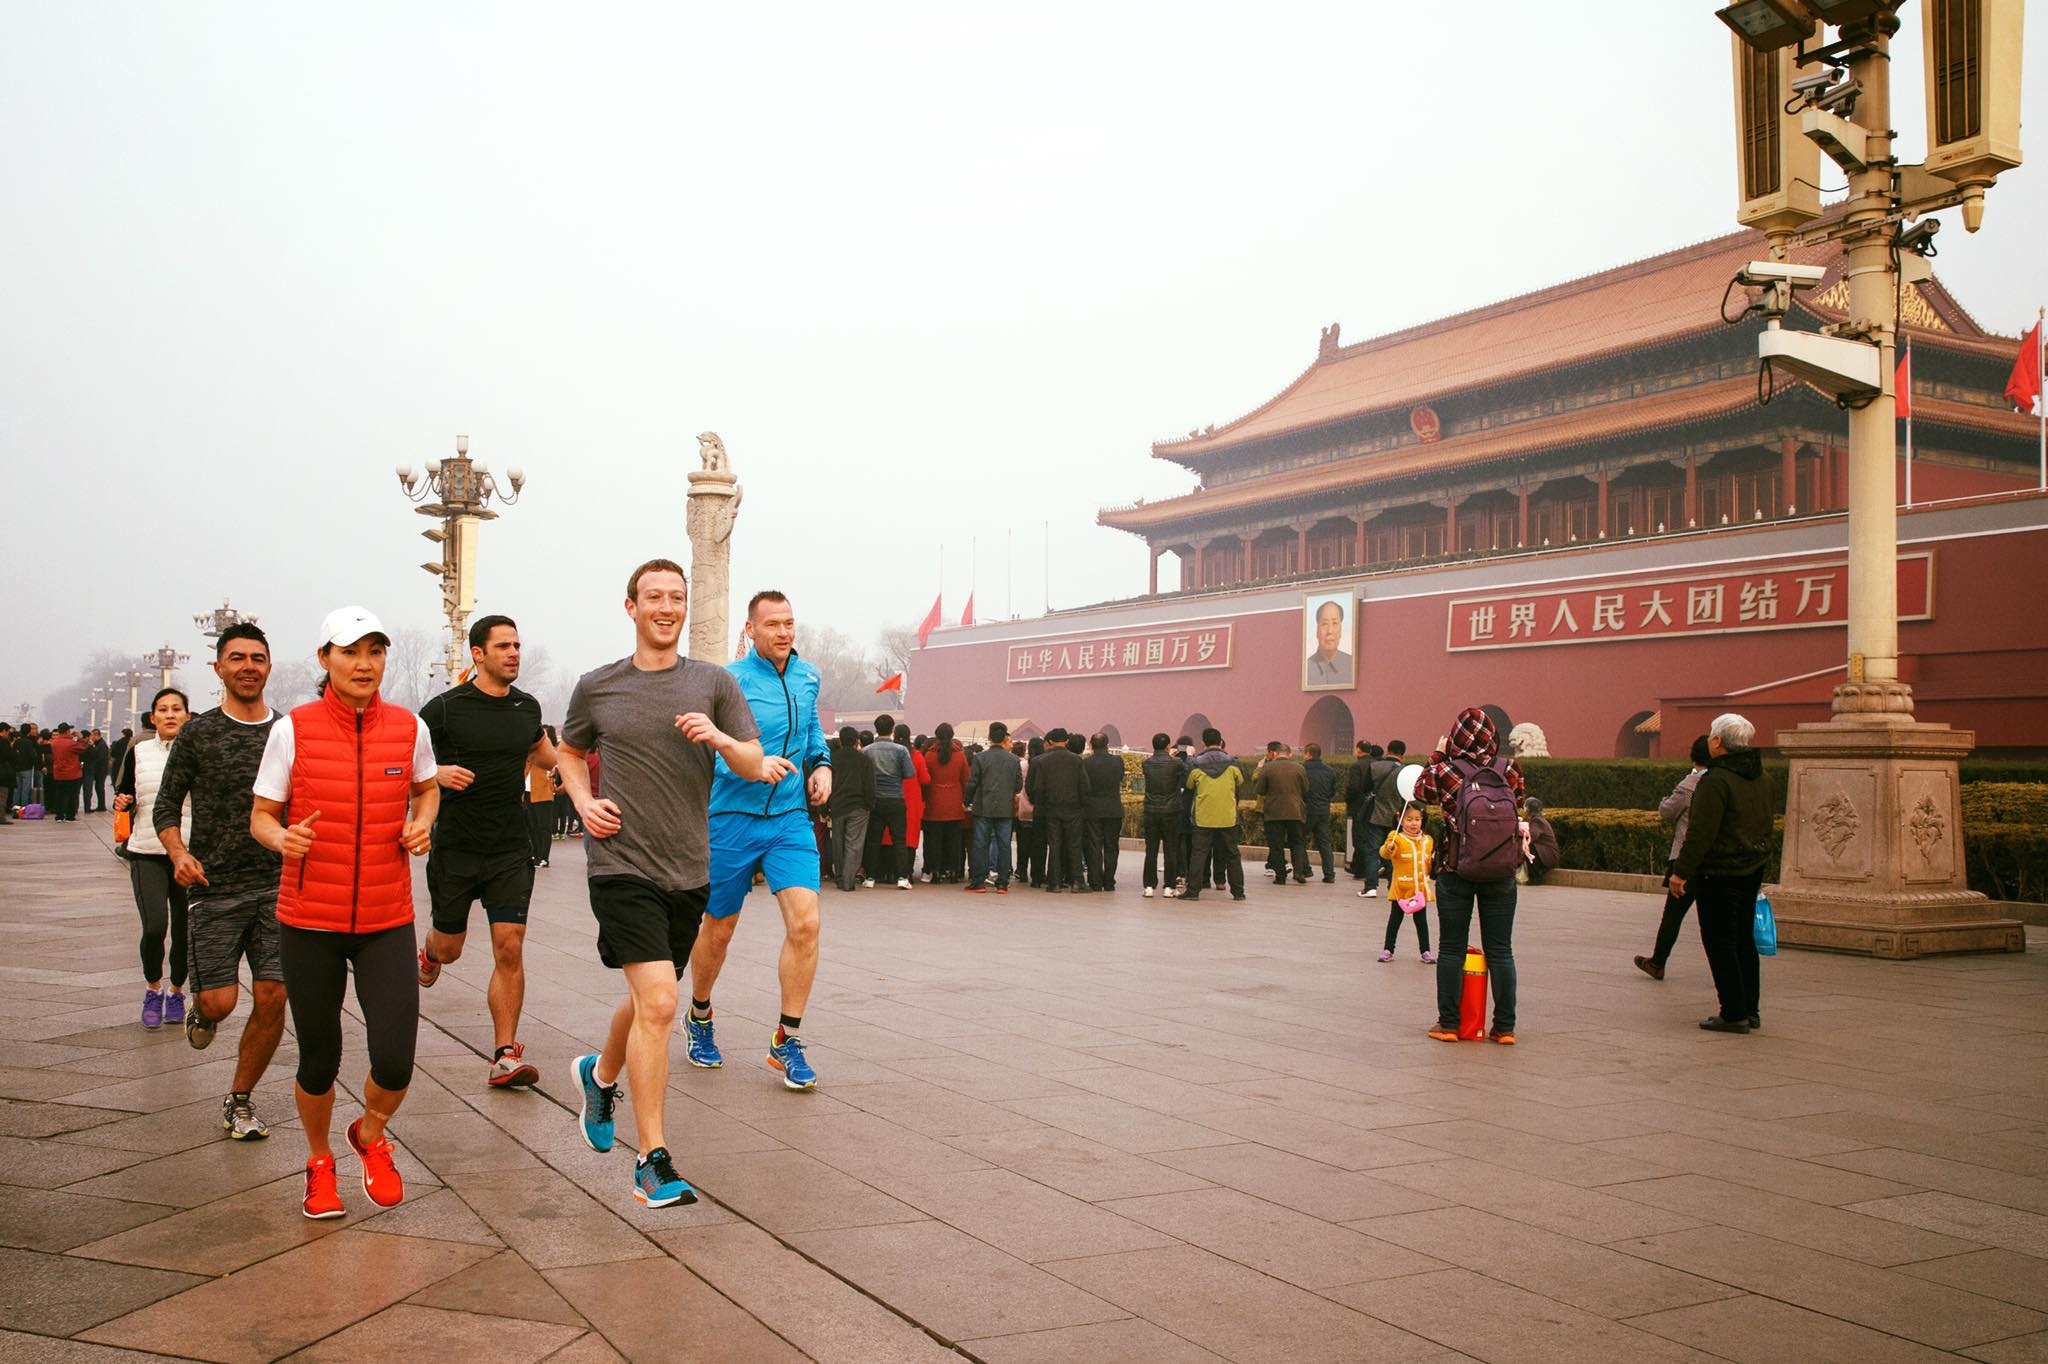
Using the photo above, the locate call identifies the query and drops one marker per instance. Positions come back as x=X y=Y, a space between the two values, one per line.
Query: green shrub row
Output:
x=2004 y=802
x=1639 y=783
x=2006 y=860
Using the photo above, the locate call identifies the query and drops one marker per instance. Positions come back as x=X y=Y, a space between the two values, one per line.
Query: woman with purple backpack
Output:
x=1480 y=794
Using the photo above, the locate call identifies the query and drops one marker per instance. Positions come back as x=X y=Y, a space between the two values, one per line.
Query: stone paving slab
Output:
x=1071 y=1128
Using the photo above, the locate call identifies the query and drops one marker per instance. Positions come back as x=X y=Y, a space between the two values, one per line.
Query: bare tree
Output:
x=292 y=683
x=845 y=670
x=412 y=668
x=546 y=682
x=893 y=647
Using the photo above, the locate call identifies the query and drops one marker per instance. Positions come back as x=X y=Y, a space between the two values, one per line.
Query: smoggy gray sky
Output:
x=935 y=272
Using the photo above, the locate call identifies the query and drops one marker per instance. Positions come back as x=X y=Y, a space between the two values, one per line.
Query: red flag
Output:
x=1902 y=382
x=894 y=683
x=2023 y=389
x=929 y=623
x=967 y=616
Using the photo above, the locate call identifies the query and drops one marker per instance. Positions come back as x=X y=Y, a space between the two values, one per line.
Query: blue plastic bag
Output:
x=1766 y=928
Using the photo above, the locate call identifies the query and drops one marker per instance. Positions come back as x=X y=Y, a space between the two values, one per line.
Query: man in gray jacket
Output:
x=992 y=786
x=892 y=766
x=1675 y=808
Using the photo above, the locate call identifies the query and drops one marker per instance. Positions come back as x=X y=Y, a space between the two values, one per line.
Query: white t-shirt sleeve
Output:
x=423 y=766
x=274 y=773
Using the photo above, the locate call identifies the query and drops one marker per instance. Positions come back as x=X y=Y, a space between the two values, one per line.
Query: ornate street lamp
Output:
x=164 y=660
x=461 y=491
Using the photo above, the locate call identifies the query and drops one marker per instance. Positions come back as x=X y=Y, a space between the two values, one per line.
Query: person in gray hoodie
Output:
x=1675 y=808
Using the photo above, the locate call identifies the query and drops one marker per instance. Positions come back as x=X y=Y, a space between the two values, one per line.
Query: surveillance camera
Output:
x=1920 y=239
x=1811 y=85
x=1761 y=274
x=1841 y=99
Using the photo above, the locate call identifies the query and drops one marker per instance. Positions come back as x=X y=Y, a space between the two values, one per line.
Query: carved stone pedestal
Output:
x=1873 y=857
x=713 y=506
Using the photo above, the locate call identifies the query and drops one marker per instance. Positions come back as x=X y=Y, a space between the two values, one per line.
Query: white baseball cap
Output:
x=347 y=624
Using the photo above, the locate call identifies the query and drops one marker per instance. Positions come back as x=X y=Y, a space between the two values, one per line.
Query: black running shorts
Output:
x=639 y=921
x=456 y=880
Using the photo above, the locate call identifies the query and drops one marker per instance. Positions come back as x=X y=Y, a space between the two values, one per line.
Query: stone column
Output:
x=1692 y=490
x=1788 y=476
x=1152 y=570
x=1522 y=525
x=1600 y=530
x=1358 y=552
x=714 y=504
x=1301 y=549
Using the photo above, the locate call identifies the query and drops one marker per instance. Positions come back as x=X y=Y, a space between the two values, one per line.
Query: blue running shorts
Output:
x=781 y=847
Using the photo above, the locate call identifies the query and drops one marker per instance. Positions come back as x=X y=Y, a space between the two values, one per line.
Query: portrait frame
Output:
x=1340 y=672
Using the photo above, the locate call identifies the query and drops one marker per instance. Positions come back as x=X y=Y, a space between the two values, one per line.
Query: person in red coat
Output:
x=345 y=791
x=945 y=806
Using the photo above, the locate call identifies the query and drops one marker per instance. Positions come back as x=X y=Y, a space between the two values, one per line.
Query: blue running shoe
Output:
x=787 y=1056
x=656 y=1183
x=597 y=1103
x=703 y=1049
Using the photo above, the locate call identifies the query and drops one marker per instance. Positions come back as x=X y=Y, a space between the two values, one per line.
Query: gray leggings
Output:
x=316 y=971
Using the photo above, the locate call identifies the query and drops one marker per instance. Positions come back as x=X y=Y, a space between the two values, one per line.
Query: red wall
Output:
x=1979 y=664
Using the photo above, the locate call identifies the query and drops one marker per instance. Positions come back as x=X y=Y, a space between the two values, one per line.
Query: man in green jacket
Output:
x=1215 y=777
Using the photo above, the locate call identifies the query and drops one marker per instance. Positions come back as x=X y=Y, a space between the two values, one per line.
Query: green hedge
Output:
x=1251 y=822
x=2004 y=802
x=2005 y=860
x=1639 y=783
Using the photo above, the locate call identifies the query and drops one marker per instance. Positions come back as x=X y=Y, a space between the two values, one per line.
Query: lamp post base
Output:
x=1873 y=854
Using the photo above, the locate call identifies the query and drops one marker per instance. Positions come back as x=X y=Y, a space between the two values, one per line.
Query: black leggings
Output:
x=316 y=972
x=161 y=902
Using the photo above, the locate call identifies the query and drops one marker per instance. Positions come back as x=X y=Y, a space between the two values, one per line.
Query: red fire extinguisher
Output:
x=1472 y=1003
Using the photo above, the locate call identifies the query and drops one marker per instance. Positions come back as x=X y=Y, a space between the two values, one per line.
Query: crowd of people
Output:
x=280 y=846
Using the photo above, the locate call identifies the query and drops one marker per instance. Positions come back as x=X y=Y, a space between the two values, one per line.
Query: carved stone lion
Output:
x=712 y=450
x=1527 y=740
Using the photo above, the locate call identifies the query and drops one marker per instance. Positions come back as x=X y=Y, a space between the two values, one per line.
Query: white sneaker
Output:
x=868 y=884
x=903 y=883
x=1169 y=892
x=1370 y=894
x=1148 y=892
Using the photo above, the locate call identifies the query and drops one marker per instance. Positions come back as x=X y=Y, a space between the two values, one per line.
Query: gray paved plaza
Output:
x=1067 y=1128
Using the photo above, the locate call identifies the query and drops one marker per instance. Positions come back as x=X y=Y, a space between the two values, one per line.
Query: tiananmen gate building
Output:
x=1583 y=505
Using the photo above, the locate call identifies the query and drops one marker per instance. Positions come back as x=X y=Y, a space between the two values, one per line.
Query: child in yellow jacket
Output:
x=1408 y=852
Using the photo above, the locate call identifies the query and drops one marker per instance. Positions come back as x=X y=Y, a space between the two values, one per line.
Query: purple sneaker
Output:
x=174 y=1007
x=152 y=1009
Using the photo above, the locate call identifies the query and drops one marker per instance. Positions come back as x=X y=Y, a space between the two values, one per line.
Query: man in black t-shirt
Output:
x=485 y=732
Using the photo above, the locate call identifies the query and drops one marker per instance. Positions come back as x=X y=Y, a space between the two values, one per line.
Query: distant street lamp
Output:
x=132 y=680
x=462 y=490
x=164 y=660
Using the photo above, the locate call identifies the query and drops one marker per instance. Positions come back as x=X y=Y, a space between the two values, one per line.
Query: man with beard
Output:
x=485 y=732
x=232 y=879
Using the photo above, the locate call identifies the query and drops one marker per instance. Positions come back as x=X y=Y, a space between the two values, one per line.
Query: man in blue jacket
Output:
x=767 y=830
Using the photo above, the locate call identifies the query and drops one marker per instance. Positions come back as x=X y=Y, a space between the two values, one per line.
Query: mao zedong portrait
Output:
x=1330 y=664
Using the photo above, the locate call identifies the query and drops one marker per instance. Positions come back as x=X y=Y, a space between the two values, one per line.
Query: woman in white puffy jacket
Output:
x=159 y=899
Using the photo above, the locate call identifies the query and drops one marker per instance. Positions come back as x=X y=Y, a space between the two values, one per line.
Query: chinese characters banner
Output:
x=1789 y=597
x=1170 y=649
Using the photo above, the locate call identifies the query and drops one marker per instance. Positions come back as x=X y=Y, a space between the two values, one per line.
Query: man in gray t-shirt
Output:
x=656 y=720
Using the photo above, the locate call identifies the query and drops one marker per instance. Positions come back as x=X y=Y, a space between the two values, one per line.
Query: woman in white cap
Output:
x=345 y=791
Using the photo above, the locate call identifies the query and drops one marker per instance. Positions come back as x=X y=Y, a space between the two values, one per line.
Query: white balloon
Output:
x=1405 y=779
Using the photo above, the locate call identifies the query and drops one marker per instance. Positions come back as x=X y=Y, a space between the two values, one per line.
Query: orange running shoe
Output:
x=1506 y=1039
x=323 y=1199
x=1444 y=1034
x=380 y=1176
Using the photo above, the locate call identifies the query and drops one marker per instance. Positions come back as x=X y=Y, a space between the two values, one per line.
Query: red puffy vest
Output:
x=355 y=768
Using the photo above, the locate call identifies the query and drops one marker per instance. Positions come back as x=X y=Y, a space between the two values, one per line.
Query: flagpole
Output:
x=2041 y=402
x=1009 y=572
x=1045 y=530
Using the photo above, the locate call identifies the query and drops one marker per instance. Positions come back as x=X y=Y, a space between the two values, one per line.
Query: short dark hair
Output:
x=1099 y=742
x=1276 y=747
x=765 y=594
x=1185 y=742
x=480 y=633
x=1074 y=742
x=654 y=566
x=1035 y=748
x=1375 y=752
x=885 y=725
x=1397 y=748
x=1701 y=754
x=1160 y=743
x=1213 y=737
x=1314 y=750
x=847 y=737
x=998 y=731
x=241 y=629
x=1056 y=735
x=867 y=736
x=1364 y=746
